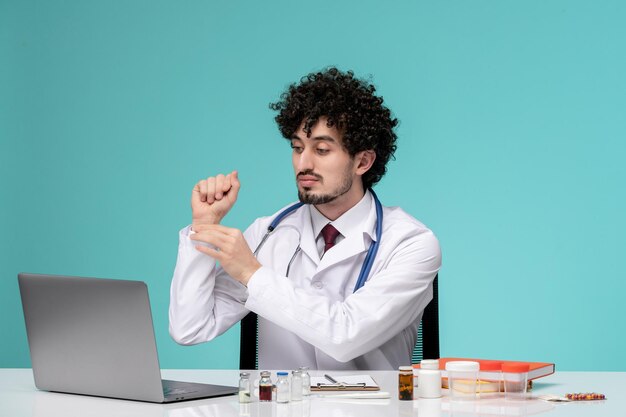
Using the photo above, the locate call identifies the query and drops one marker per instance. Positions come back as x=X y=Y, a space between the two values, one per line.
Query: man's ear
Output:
x=364 y=161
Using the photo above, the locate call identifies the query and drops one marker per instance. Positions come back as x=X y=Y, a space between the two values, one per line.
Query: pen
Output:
x=331 y=379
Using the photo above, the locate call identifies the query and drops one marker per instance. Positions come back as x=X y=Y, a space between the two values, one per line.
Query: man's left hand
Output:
x=231 y=250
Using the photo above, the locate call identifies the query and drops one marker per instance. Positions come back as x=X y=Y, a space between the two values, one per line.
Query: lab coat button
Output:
x=318 y=284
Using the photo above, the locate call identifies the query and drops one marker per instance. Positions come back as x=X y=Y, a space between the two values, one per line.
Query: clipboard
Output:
x=344 y=383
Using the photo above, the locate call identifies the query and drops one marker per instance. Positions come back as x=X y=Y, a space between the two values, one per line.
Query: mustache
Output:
x=309 y=172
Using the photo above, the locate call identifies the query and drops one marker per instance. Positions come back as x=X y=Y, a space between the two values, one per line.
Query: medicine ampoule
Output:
x=265 y=387
x=244 y=387
x=296 y=385
x=282 y=388
x=306 y=381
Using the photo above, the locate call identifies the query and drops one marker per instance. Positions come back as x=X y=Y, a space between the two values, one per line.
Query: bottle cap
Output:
x=462 y=366
x=405 y=369
x=490 y=365
x=281 y=373
x=429 y=364
x=265 y=373
x=244 y=374
x=515 y=367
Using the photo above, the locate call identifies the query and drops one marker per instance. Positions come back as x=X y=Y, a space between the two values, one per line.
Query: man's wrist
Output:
x=197 y=224
x=245 y=279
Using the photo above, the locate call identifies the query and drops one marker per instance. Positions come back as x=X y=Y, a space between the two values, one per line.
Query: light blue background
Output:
x=512 y=148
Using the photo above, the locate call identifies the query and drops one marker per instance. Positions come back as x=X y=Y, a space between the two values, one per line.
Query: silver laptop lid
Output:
x=91 y=336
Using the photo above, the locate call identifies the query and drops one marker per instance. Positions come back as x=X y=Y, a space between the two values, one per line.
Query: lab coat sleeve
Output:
x=204 y=300
x=391 y=300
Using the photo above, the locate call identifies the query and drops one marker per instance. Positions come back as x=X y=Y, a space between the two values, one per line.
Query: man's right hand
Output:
x=212 y=198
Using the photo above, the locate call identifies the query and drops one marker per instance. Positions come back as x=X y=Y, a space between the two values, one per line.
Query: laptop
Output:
x=95 y=336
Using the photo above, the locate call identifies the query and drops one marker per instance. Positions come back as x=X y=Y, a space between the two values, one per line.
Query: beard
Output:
x=307 y=197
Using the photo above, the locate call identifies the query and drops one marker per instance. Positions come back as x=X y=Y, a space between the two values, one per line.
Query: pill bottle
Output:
x=282 y=387
x=462 y=378
x=490 y=379
x=296 y=385
x=515 y=377
x=306 y=381
x=432 y=364
x=405 y=383
x=265 y=386
x=244 y=387
x=430 y=383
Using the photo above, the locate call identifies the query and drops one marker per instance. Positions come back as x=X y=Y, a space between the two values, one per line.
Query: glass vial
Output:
x=296 y=385
x=306 y=381
x=265 y=387
x=244 y=387
x=405 y=383
x=282 y=388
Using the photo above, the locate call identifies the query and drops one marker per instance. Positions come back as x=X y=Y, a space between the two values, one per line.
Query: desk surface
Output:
x=19 y=398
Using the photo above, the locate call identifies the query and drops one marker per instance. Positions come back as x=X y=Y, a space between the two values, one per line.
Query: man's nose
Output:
x=304 y=161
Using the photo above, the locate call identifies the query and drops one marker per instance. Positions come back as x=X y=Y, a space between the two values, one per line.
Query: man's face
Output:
x=324 y=170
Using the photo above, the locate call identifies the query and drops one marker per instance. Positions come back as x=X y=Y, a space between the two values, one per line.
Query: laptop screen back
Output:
x=91 y=336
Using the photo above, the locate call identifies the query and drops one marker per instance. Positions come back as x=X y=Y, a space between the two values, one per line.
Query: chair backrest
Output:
x=426 y=347
x=249 y=344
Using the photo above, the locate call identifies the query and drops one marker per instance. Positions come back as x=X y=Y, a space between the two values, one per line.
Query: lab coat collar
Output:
x=359 y=233
x=301 y=220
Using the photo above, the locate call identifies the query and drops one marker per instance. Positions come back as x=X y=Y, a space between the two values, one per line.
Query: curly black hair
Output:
x=350 y=105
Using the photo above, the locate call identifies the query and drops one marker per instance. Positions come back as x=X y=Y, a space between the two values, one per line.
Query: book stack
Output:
x=537 y=369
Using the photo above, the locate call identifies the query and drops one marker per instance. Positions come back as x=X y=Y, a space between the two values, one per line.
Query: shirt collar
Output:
x=349 y=222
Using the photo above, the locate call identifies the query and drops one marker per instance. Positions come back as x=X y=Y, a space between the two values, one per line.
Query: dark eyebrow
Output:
x=317 y=138
x=325 y=137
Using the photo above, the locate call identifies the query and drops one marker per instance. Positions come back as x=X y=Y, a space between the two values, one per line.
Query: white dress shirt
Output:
x=308 y=312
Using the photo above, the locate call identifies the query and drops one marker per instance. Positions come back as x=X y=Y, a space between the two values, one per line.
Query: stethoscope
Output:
x=371 y=252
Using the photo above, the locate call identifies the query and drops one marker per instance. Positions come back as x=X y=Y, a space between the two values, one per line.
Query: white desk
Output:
x=20 y=398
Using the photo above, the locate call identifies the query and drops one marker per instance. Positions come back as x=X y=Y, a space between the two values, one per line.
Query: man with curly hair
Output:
x=300 y=277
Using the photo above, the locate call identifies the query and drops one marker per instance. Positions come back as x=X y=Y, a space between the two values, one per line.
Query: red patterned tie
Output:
x=329 y=233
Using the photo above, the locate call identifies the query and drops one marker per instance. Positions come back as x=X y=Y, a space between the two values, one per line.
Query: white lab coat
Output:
x=312 y=317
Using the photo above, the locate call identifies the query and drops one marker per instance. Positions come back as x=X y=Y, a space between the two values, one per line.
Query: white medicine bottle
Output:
x=306 y=381
x=244 y=387
x=296 y=385
x=282 y=388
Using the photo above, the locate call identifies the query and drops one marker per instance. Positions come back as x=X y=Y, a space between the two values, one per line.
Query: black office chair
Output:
x=426 y=347
x=249 y=344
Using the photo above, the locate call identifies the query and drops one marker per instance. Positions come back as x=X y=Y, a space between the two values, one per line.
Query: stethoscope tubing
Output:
x=371 y=252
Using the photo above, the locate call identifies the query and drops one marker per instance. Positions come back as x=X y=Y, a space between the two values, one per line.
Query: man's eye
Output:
x=322 y=151
x=296 y=149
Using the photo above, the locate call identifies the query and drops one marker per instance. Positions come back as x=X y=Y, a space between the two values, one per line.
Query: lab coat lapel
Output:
x=350 y=246
x=302 y=220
